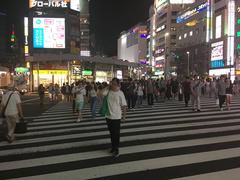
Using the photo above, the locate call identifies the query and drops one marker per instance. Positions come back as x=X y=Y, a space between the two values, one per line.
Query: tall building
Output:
x=224 y=35
x=164 y=35
x=192 y=52
x=84 y=28
x=132 y=44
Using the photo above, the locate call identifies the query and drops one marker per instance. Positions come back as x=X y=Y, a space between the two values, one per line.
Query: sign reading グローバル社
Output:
x=48 y=3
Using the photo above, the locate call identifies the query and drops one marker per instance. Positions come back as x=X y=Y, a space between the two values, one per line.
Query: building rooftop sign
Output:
x=48 y=3
x=192 y=12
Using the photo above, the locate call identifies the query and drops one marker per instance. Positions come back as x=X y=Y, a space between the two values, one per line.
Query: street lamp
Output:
x=166 y=65
x=188 y=53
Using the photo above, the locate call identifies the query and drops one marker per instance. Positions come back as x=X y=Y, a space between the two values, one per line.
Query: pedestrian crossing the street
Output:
x=166 y=141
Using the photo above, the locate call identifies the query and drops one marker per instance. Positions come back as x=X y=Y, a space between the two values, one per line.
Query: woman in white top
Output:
x=80 y=92
x=93 y=99
x=116 y=104
x=139 y=94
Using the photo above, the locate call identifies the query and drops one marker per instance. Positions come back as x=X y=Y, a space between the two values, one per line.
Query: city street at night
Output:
x=120 y=89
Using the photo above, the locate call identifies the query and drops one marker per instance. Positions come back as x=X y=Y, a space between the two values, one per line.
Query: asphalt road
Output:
x=32 y=108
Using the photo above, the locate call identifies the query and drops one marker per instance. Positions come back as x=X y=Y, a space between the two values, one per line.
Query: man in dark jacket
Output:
x=186 y=90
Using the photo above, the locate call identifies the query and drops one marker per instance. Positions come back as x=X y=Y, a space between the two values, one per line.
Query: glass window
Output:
x=218 y=27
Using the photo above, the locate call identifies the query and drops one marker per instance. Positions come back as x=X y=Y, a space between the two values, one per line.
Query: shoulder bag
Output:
x=104 y=108
x=5 y=107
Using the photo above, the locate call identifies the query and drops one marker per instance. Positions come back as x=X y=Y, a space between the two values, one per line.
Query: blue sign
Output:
x=192 y=12
x=38 y=38
x=217 y=64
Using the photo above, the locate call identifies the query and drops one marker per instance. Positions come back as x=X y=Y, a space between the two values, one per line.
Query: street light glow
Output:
x=166 y=34
x=188 y=52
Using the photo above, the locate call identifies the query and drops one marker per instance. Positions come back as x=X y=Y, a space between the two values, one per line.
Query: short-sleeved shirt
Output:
x=80 y=93
x=11 y=109
x=116 y=100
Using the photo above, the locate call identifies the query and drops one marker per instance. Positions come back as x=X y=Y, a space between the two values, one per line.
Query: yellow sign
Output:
x=63 y=72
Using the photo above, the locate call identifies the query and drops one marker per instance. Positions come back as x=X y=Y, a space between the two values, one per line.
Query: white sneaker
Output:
x=78 y=120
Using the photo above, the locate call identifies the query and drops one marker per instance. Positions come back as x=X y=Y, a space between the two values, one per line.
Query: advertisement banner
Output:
x=48 y=33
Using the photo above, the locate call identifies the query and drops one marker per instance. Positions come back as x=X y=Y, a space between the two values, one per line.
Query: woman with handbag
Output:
x=12 y=110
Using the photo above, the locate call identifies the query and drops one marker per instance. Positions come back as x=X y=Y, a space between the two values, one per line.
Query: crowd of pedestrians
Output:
x=125 y=96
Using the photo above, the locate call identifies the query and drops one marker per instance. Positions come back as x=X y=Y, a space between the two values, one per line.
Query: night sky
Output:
x=108 y=19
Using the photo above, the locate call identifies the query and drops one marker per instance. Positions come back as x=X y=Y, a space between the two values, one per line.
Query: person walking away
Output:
x=41 y=93
x=139 y=94
x=67 y=92
x=175 y=87
x=93 y=99
x=162 y=89
x=150 y=90
x=117 y=110
x=57 y=92
x=186 y=90
x=196 y=88
x=221 y=86
x=63 y=91
x=168 y=90
x=229 y=92
x=130 y=94
x=13 y=112
x=80 y=92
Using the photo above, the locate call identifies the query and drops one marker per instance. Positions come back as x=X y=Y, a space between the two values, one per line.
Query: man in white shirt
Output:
x=116 y=104
x=13 y=112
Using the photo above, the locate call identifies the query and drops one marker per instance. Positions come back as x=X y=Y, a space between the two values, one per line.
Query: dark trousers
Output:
x=222 y=99
x=114 y=129
x=186 y=98
x=131 y=100
x=150 y=98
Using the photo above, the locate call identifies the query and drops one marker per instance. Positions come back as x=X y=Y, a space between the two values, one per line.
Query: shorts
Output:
x=79 y=105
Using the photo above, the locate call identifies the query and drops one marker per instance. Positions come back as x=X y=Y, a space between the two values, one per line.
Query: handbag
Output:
x=21 y=127
x=104 y=108
x=5 y=107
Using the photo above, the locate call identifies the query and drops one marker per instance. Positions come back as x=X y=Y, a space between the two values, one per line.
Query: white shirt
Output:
x=115 y=101
x=80 y=93
x=11 y=109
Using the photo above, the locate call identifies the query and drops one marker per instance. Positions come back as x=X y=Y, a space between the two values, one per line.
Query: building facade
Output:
x=164 y=34
x=224 y=38
x=132 y=44
x=193 y=39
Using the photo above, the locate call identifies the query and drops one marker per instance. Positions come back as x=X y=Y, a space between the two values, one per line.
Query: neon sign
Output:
x=192 y=12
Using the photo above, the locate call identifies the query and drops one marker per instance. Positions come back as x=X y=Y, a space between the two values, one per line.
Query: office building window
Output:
x=218 y=27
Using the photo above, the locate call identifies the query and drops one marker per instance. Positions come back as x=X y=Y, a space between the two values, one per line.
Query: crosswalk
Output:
x=166 y=141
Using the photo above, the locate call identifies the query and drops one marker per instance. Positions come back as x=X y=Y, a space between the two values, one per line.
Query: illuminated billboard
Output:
x=75 y=5
x=192 y=12
x=48 y=3
x=217 y=55
x=48 y=33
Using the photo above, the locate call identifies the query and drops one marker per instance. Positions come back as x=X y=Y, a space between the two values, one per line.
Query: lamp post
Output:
x=188 y=53
x=166 y=62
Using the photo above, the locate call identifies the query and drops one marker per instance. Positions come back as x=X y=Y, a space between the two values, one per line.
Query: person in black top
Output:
x=229 y=92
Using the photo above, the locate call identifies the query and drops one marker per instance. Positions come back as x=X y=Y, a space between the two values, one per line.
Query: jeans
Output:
x=139 y=100
x=186 y=98
x=93 y=106
x=114 y=129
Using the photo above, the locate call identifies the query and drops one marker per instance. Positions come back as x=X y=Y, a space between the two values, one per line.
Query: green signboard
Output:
x=87 y=72
x=21 y=70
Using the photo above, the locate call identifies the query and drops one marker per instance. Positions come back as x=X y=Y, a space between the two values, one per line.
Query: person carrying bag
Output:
x=12 y=110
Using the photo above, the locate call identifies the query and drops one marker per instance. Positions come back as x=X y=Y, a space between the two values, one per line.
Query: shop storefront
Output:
x=50 y=76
